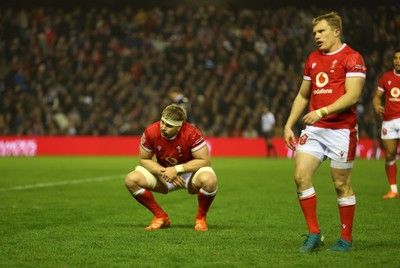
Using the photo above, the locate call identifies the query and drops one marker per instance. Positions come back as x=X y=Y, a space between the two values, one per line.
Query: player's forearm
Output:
x=194 y=165
x=343 y=103
x=152 y=166
x=376 y=101
x=299 y=105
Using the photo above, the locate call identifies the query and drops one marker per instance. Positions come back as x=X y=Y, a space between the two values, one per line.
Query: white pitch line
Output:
x=58 y=183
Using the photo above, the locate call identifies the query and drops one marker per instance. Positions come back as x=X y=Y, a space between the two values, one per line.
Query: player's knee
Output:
x=131 y=180
x=301 y=177
x=207 y=181
x=341 y=187
x=390 y=156
x=210 y=184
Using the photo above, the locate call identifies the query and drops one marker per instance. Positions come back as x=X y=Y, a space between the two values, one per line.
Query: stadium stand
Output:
x=106 y=70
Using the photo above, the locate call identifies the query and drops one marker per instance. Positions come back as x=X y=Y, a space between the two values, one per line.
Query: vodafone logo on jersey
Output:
x=321 y=80
x=395 y=92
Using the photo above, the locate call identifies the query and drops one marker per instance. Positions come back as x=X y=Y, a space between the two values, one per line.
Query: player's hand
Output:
x=178 y=182
x=290 y=139
x=379 y=109
x=169 y=174
x=311 y=118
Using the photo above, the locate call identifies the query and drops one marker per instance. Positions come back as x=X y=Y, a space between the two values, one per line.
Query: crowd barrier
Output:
x=129 y=146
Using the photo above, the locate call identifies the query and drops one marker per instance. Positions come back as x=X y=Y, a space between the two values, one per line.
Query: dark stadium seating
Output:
x=105 y=69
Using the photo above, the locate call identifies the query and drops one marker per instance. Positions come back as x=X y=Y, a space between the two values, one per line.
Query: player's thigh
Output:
x=341 y=175
x=310 y=153
x=390 y=147
x=306 y=164
x=145 y=179
x=136 y=178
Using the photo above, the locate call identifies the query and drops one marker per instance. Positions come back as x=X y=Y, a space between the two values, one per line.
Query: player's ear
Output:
x=337 y=32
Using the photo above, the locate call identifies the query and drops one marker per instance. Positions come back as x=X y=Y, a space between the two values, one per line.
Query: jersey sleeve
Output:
x=145 y=142
x=306 y=70
x=355 y=66
x=382 y=83
x=196 y=140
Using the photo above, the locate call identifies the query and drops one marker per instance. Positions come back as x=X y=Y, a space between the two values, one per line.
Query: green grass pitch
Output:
x=76 y=212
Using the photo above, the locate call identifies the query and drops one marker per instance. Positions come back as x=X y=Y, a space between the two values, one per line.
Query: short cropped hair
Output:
x=174 y=112
x=332 y=18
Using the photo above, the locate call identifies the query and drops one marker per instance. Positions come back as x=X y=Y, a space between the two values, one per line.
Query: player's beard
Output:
x=169 y=135
x=164 y=134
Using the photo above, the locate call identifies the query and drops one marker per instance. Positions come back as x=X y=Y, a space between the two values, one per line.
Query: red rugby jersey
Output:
x=175 y=151
x=327 y=73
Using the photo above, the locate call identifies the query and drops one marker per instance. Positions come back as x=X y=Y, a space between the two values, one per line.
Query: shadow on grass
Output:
x=180 y=226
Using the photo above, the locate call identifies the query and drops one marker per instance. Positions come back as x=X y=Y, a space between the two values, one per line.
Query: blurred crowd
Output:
x=100 y=71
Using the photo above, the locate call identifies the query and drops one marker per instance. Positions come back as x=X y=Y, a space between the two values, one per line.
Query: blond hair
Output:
x=332 y=18
x=174 y=112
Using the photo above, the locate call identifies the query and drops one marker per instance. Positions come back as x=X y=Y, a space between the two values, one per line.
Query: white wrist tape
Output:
x=322 y=112
x=179 y=168
x=326 y=111
x=319 y=113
